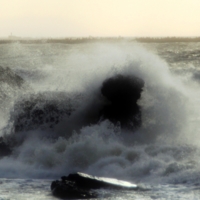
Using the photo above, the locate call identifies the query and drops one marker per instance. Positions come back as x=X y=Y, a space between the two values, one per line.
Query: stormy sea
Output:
x=123 y=109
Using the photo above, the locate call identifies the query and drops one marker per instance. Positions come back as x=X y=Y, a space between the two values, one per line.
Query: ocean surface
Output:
x=162 y=156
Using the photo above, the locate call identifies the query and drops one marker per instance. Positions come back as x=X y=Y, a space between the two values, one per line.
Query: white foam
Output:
x=104 y=149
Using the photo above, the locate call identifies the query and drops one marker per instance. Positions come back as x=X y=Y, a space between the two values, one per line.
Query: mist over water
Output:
x=165 y=149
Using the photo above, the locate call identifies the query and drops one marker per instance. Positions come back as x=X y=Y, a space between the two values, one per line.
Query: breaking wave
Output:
x=70 y=133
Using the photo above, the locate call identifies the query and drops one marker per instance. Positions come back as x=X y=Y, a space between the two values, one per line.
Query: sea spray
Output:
x=157 y=152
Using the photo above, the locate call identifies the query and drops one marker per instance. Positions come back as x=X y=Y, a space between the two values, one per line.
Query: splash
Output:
x=100 y=147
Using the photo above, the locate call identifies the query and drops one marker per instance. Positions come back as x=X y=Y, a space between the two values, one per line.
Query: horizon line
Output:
x=90 y=37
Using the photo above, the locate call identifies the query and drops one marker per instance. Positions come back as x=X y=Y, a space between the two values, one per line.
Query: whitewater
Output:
x=161 y=156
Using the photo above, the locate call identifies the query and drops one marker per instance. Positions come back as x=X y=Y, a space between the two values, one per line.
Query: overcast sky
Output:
x=83 y=18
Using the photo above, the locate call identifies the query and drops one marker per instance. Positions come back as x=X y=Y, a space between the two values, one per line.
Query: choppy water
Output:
x=162 y=156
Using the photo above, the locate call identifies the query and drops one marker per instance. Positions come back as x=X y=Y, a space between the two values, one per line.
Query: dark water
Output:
x=162 y=156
